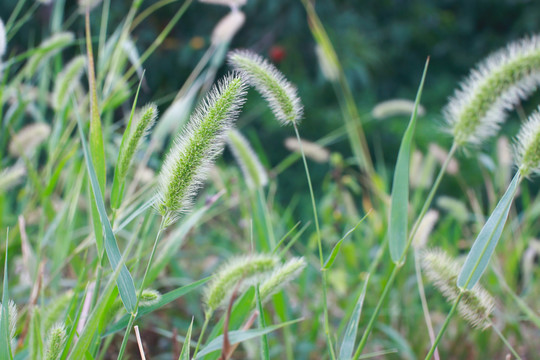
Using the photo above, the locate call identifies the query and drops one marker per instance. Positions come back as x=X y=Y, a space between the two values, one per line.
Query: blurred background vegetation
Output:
x=382 y=45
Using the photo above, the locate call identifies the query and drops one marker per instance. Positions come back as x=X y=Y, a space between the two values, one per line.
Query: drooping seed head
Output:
x=281 y=276
x=395 y=107
x=234 y=4
x=11 y=176
x=280 y=94
x=254 y=173
x=312 y=150
x=56 y=338
x=227 y=27
x=67 y=81
x=476 y=304
x=327 y=63
x=247 y=269
x=477 y=108
x=197 y=146
x=528 y=146
x=142 y=122
x=28 y=139
x=85 y=5
x=3 y=40
x=425 y=228
x=48 y=48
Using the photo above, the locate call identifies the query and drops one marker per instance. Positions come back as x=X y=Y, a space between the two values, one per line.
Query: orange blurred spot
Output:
x=197 y=42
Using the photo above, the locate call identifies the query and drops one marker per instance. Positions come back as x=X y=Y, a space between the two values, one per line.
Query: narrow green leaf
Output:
x=5 y=341
x=241 y=335
x=126 y=287
x=165 y=299
x=336 y=248
x=184 y=355
x=117 y=192
x=97 y=148
x=265 y=352
x=484 y=245
x=397 y=227
x=347 y=345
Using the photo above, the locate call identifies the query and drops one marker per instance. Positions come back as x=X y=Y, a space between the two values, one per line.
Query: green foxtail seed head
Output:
x=12 y=315
x=312 y=150
x=56 y=338
x=254 y=173
x=197 y=146
x=477 y=108
x=67 y=81
x=142 y=122
x=395 y=107
x=281 y=276
x=149 y=297
x=234 y=4
x=28 y=139
x=280 y=94
x=48 y=48
x=528 y=146
x=11 y=176
x=247 y=269
x=476 y=304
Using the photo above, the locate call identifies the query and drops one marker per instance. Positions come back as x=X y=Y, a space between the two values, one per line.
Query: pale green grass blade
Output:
x=5 y=343
x=184 y=355
x=403 y=347
x=241 y=335
x=336 y=248
x=117 y=191
x=165 y=299
x=97 y=148
x=347 y=345
x=397 y=227
x=484 y=245
x=265 y=352
x=126 y=287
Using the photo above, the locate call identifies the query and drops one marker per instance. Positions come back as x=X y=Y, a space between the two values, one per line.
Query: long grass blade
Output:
x=126 y=287
x=241 y=335
x=5 y=343
x=165 y=299
x=484 y=245
x=184 y=354
x=397 y=228
x=347 y=345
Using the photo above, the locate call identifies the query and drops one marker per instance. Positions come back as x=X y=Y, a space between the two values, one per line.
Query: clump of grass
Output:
x=478 y=107
x=280 y=94
x=197 y=146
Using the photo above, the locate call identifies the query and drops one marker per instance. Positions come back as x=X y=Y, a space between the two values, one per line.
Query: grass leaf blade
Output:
x=184 y=354
x=5 y=341
x=336 y=248
x=397 y=227
x=484 y=245
x=125 y=284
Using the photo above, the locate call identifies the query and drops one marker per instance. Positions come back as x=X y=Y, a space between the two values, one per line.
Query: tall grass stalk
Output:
x=397 y=267
x=319 y=244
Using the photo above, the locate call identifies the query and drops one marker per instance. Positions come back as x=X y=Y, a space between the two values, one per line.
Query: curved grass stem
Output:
x=319 y=244
x=134 y=313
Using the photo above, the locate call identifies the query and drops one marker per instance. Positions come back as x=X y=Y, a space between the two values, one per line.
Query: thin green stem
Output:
x=505 y=341
x=207 y=316
x=444 y=326
x=319 y=243
x=267 y=219
x=401 y=262
x=134 y=313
